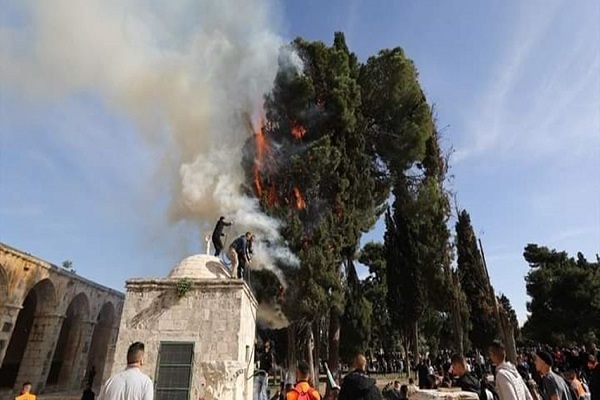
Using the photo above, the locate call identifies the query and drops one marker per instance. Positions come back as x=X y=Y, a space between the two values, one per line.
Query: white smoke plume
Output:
x=188 y=72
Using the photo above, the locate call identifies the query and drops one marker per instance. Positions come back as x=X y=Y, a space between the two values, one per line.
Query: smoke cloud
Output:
x=189 y=73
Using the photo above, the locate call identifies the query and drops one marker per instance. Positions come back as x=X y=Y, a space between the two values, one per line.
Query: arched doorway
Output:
x=70 y=344
x=99 y=344
x=40 y=297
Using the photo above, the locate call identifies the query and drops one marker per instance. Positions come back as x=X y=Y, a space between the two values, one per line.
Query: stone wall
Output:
x=41 y=303
x=217 y=315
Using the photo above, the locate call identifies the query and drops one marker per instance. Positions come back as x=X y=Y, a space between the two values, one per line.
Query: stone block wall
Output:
x=218 y=316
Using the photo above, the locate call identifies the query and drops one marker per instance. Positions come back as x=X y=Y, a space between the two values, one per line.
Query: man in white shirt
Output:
x=130 y=384
x=509 y=383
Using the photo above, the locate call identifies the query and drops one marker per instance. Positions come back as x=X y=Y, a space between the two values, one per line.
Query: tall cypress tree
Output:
x=476 y=285
x=375 y=290
x=406 y=294
x=356 y=320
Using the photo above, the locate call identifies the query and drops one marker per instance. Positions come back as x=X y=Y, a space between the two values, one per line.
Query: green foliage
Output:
x=406 y=289
x=459 y=312
x=343 y=134
x=357 y=318
x=183 y=286
x=476 y=285
x=396 y=111
x=68 y=265
x=265 y=286
x=565 y=296
x=374 y=288
x=418 y=252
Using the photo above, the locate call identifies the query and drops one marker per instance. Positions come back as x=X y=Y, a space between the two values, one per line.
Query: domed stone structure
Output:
x=200 y=266
x=197 y=318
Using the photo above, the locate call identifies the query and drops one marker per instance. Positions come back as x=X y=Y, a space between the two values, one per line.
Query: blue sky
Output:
x=516 y=84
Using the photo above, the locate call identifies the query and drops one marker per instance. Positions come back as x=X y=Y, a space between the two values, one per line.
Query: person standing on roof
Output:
x=217 y=234
x=239 y=250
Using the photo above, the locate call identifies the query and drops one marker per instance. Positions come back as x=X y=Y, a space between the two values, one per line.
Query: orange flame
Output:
x=298 y=131
x=300 y=203
x=272 y=196
x=261 y=149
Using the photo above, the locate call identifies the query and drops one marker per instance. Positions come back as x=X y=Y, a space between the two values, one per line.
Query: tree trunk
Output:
x=406 y=345
x=316 y=333
x=334 y=342
x=310 y=358
x=415 y=339
x=292 y=348
x=508 y=336
x=457 y=324
x=300 y=344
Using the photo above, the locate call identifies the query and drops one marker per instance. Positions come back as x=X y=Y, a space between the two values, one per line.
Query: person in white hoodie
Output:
x=509 y=383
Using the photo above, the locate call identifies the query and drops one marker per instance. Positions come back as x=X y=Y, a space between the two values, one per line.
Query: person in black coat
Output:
x=357 y=384
x=594 y=367
x=217 y=234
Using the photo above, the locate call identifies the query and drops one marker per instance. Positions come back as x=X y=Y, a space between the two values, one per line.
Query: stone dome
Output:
x=200 y=266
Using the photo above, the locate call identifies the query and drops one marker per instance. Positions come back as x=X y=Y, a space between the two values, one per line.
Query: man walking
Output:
x=130 y=384
x=509 y=383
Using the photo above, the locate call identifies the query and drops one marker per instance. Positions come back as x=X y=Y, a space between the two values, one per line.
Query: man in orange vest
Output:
x=26 y=393
x=303 y=390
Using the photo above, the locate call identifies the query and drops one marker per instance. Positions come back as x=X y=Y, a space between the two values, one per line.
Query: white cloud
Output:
x=543 y=94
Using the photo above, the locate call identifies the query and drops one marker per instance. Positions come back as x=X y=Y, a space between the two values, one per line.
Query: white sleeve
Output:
x=148 y=390
x=102 y=393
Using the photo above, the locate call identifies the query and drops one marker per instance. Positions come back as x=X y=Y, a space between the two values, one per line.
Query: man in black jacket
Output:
x=357 y=385
x=463 y=378
x=217 y=233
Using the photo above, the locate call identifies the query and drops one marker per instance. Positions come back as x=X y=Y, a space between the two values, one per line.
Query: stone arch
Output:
x=41 y=296
x=4 y=296
x=69 y=347
x=99 y=344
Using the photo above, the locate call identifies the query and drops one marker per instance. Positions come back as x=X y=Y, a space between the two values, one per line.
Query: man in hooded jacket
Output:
x=357 y=385
x=509 y=383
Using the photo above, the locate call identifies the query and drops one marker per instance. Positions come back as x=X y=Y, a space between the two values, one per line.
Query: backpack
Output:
x=308 y=395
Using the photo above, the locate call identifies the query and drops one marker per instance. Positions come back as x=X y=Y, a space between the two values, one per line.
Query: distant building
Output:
x=55 y=326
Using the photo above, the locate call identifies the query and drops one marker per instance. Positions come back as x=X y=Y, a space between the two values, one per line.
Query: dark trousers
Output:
x=218 y=243
x=241 y=271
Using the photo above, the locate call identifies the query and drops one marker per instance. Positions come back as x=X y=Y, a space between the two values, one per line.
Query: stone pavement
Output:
x=61 y=396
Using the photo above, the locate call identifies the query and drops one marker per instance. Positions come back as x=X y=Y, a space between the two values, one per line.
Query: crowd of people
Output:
x=540 y=373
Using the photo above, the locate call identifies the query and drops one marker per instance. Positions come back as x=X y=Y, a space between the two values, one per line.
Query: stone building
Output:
x=198 y=326
x=55 y=326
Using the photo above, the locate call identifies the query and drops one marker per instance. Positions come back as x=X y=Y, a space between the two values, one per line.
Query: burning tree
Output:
x=323 y=161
